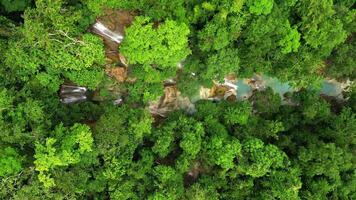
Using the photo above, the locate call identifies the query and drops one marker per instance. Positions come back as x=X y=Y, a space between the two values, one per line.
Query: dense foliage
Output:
x=260 y=148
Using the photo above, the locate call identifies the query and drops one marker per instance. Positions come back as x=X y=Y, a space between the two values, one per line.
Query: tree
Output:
x=260 y=7
x=191 y=138
x=15 y=5
x=281 y=184
x=323 y=165
x=10 y=162
x=342 y=128
x=173 y=9
x=259 y=148
x=266 y=101
x=222 y=150
x=56 y=48
x=222 y=63
x=258 y=159
x=169 y=182
x=75 y=143
x=321 y=29
x=238 y=113
x=154 y=54
x=340 y=63
x=215 y=35
x=21 y=122
x=131 y=126
x=161 y=46
x=313 y=107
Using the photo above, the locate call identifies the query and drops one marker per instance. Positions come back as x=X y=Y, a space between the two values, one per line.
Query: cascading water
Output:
x=72 y=94
x=102 y=30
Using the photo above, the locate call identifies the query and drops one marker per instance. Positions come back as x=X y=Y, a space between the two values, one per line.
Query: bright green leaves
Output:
x=290 y=42
x=273 y=30
x=223 y=149
x=169 y=183
x=259 y=7
x=219 y=32
x=50 y=46
x=66 y=149
x=281 y=184
x=140 y=127
x=183 y=133
x=21 y=122
x=50 y=81
x=54 y=17
x=154 y=53
x=10 y=162
x=31 y=111
x=145 y=92
x=191 y=137
x=258 y=159
x=45 y=159
x=208 y=6
x=77 y=54
x=274 y=127
x=238 y=114
x=217 y=55
x=222 y=63
x=327 y=35
x=198 y=192
x=214 y=36
x=173 y=9
x=80 y=60
x=27 y=116
x=90 y=78
x=164 y=174
x=157 y=10
x=163 y=46
x=117 y=143
x=22 y=62
x=81 y=136
x=164 y=142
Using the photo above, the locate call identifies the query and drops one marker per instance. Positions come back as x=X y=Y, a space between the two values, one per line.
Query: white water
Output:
x=68 y=99
x=72 y=89
x=71 y=94
x=105 y=32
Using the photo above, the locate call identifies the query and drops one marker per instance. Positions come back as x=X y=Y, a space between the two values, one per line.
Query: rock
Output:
x=119 y=73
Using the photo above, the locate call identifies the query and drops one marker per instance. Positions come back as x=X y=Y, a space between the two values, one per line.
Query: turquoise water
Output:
x=331 y=89
x=277 y=86
x=244 y=90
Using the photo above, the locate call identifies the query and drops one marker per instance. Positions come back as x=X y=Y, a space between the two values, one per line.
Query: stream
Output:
x=242 y=88
x=245 y=87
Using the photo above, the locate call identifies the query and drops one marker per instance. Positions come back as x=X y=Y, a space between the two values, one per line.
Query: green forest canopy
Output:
x=260 y=148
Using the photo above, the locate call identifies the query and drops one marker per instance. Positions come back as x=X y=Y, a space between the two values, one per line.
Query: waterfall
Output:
x=102 y=30
x=71 y=94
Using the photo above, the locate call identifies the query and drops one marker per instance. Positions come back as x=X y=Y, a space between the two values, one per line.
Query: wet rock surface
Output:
x=115 y=21
x=170 y=101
